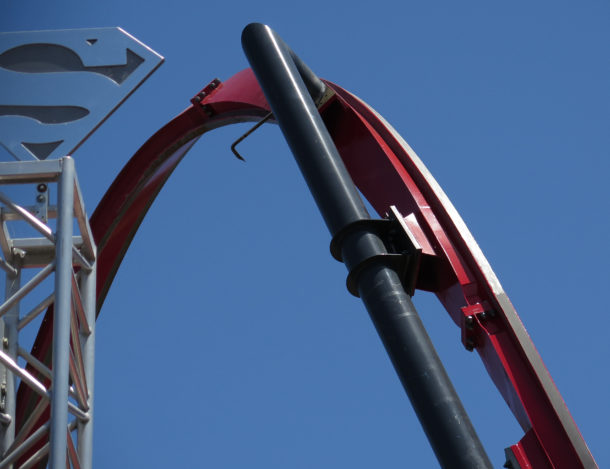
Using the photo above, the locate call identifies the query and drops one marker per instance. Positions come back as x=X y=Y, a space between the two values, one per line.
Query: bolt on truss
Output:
x=46 y=402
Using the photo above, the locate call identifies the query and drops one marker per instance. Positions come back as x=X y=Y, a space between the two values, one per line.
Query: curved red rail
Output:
x=457 y=271
x=120 y=212
x=453 y=266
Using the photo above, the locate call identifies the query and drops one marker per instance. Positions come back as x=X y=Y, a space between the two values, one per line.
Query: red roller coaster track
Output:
x=387 y=172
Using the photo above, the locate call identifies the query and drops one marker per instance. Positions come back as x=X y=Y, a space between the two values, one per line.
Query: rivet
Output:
x=469 y=322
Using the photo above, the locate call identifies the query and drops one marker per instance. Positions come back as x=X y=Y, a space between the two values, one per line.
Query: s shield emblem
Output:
x=57 y=87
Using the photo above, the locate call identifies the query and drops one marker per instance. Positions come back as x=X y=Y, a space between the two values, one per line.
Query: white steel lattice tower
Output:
x=65 y=383
x=57 y=88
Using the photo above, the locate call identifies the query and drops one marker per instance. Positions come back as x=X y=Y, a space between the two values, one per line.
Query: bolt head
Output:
x=469 y=321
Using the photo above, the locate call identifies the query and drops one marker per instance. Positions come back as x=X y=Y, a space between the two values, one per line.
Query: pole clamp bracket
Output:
x=403 y=250
x=197 y=100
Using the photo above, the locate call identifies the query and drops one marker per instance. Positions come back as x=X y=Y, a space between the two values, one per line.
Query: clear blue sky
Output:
x=228 y=339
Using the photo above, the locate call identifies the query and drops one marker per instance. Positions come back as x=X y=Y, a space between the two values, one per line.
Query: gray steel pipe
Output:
x=421 y=372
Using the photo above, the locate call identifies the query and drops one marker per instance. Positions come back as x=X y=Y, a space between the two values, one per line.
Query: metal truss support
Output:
x=44 y=238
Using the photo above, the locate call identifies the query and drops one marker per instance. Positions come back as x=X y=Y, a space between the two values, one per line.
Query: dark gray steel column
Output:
x=422 y=374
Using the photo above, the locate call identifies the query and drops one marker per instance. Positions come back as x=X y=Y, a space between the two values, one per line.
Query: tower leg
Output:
x=61 y=318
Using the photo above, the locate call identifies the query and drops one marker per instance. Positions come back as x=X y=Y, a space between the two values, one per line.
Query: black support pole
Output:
x=421 y=372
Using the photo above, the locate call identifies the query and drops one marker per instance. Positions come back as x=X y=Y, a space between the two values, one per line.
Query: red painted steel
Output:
x=120 y=212
x=453 y=267
x=462 y=280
